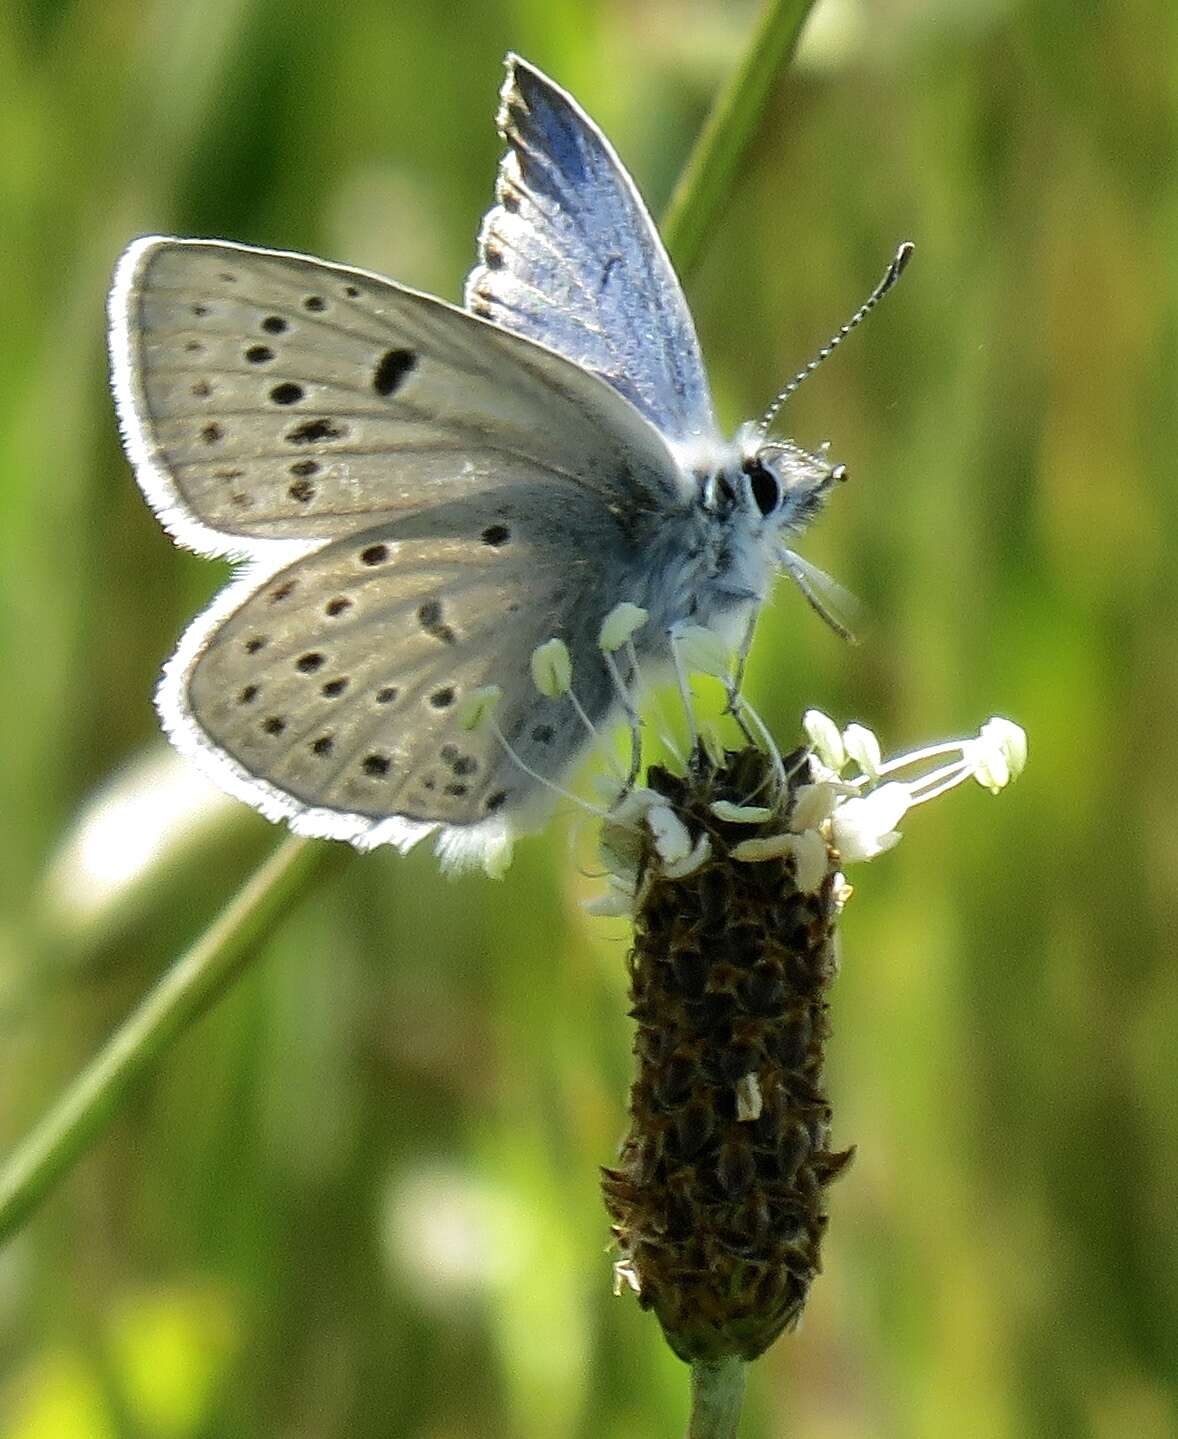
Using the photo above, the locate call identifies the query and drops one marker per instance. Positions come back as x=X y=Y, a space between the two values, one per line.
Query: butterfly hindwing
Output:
x=334 y=691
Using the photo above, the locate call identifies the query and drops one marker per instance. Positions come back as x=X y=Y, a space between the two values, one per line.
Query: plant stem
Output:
x=717 y=1391
x=732 y=124
x=189 y=988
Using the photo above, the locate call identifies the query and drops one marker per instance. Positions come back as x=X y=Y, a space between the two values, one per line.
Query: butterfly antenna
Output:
x=891 y=275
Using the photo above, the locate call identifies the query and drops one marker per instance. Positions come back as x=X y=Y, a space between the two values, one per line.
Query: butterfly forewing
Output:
x=271 y=396
x=569 y=256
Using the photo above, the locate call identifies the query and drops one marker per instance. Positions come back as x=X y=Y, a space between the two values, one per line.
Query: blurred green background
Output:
x=361 y=1198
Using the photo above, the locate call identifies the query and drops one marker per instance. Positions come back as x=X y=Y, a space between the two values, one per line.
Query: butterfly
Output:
x=424 y=495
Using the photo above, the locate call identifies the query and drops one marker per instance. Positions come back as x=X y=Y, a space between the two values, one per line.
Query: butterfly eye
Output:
x=765 y=488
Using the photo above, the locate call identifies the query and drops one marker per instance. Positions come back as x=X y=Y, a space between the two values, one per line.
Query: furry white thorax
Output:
x=716 y=560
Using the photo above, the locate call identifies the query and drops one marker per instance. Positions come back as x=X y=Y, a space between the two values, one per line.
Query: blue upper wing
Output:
x=570 y=257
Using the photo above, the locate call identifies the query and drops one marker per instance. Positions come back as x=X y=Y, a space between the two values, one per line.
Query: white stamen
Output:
x=497 y=858
x=863 y=747
x=825 y=739
x=552 y=674
x=631 y=712
x=862 y=828
x=749 y=1101
x=552 y=668
x=814 y=804
x=742 y=656
x=527 y=769
x=620 y=626
x=684 y=695
x=746 y=711
x=757 y=851
x=811 y=860
x=590 y=728
x=699 y=856
x=740 y=813
x=940 y=781
x=672 y=838
x=709 y=737
x=479 y=706
x=625 y=1277
x=920 y=756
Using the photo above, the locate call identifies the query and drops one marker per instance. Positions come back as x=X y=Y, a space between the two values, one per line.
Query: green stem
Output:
x=189 y=988
x=199 y=977
x=732 y=124
x=717 y=1392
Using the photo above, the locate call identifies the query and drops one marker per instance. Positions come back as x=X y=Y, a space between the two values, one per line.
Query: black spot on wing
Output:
x=391 y=371
x=312 y=432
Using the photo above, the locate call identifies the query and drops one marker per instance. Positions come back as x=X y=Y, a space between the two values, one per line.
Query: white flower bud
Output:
x=625 y=1277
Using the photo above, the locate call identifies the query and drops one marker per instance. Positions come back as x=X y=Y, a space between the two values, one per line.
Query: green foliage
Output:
x=361 y=1198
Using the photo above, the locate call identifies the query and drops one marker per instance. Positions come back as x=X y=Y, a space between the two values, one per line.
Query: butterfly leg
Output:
x=752 y=726
x=652 y=699
x=684 y=691
x=742 y=657
x=736 y=682
x=626 y=696
x=746 y=715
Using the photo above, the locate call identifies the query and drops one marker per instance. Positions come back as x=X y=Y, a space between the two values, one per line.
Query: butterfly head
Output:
x=767 y=492
x=779 y=487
